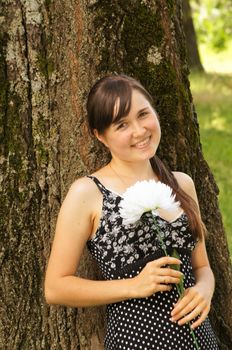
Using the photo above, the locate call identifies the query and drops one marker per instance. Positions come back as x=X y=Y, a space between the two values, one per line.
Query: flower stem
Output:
x=180 y=287
x=194 y=337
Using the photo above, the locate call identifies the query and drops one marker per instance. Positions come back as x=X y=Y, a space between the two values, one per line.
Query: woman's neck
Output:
x=131 y=172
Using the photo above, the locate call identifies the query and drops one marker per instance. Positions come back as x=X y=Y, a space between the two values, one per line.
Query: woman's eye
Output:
x=143 y=114
x=121 y=126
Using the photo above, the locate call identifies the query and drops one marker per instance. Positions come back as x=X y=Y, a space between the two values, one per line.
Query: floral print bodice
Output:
x=119 y=248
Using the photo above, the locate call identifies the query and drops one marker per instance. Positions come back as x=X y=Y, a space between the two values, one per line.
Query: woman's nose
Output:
x=138 y=129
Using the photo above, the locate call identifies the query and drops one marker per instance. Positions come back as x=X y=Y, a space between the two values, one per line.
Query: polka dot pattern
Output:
x=122 y=252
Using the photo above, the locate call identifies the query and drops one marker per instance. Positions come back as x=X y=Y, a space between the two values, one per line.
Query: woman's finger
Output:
x=164 y=288
x=201 y=318
x=186 y=310
x=196 y=312
x=170 y=272
x=167 y=279
x=182 y=303
x=165 y=260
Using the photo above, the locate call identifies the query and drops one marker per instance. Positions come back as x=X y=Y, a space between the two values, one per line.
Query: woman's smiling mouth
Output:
x=143 y=143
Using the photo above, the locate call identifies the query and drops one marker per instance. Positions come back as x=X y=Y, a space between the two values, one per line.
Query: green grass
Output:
x=212 y=94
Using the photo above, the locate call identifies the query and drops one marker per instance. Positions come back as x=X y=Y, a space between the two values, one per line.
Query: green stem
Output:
x=180 y=289
x=194 y=337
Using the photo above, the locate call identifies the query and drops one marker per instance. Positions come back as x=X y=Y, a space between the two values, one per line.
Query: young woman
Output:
x=144 y=309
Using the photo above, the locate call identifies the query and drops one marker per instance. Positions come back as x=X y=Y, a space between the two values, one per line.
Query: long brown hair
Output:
x=101 y=114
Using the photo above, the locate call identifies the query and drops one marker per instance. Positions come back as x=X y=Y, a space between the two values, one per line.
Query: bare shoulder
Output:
x=82 y=196
x=183 y=179
x=186 y=183
x=79 y=208
x=83 y=187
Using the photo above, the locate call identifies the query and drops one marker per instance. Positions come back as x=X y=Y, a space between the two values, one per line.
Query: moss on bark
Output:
x=45 y=62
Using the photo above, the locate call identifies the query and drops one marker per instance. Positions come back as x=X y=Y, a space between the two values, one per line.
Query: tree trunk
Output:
x=51 y=53
x=193 y=56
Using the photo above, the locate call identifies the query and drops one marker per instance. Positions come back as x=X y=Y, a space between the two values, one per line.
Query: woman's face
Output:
x=135 y=137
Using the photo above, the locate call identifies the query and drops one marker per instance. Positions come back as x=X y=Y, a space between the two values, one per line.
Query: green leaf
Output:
x=176 y=255
x=179 y=286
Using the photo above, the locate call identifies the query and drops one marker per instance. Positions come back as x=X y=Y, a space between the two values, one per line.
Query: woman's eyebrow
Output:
x=122 y=119
x=142 y=110
x=119 y=121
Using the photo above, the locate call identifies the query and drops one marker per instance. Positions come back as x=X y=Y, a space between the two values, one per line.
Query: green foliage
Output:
x=212 y=21
x=212 y=98
x=219 y=62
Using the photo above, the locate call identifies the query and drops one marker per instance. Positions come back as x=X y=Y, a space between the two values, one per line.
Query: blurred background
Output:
x=208 y=30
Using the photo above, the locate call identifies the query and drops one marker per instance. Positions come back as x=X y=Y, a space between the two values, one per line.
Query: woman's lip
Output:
x=143 y=143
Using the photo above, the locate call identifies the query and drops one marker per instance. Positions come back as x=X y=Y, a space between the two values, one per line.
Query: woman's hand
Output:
x=194 y=303
x=156 y=276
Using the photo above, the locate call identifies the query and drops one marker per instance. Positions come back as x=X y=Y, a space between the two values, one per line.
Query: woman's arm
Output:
x=197 y=299
x=77 y=220
x=74 y=226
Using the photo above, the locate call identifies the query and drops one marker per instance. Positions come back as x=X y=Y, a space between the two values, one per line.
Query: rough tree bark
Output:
x=193 y=55
x=51 y=52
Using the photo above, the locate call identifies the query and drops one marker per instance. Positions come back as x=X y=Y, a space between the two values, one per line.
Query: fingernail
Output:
x=172 y=319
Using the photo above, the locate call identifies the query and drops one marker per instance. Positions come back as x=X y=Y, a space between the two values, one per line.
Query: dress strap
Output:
x=98 y=183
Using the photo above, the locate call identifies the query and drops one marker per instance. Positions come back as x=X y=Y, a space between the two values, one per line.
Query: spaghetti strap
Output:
x=101 y=187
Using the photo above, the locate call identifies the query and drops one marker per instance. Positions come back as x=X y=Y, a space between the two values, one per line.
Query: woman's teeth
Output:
x=142 y=143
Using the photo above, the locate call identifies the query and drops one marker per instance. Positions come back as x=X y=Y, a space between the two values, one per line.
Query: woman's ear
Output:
x=100 y=137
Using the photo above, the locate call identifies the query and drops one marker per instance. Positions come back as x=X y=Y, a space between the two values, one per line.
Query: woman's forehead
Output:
x=138 y=103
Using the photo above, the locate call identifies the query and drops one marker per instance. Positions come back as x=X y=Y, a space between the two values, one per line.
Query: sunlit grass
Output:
x=212 y=95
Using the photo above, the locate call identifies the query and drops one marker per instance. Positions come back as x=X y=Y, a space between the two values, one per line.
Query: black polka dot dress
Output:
x=122 y=252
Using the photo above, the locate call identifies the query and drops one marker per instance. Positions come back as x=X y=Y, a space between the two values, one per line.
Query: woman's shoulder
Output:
x=180 y=176
x=84 y=188
x=184 y=180
x=86 y=185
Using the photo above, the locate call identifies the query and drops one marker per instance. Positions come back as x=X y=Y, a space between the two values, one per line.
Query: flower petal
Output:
x=146 y=196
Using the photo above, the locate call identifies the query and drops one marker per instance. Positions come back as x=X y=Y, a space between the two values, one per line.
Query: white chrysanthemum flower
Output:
x=146 y=196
